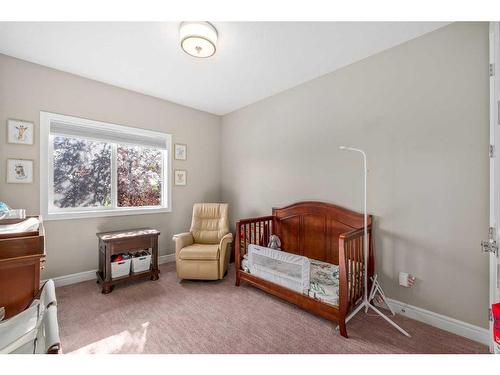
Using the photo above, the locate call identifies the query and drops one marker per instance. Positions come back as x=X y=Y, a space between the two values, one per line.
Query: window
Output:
x=82 y=173
x=90 y=168
x=139 y=171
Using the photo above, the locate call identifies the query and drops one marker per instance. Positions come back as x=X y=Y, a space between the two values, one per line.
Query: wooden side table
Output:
x=111 y=243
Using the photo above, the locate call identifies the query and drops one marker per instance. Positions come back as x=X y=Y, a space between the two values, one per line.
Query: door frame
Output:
x=494 y=67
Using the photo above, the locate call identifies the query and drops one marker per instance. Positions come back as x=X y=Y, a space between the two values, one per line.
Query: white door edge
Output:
x=494 y=166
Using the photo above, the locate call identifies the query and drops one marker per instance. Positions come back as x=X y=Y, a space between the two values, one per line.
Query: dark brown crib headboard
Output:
x=312 y=229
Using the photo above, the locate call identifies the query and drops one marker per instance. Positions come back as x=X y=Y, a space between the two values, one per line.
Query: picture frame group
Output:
x=20 y=170
x=180 y=175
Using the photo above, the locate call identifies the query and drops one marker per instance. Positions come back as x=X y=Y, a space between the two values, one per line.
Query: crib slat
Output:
x=351 y=273
x=349 y=283
x=247 y=233
x=351 y=263
x=362 y=264
x=251 y=233
x=354 y=275
x=243 y=247
x=355 y=270
x=362 y=271
x=263 y=233
x=358 y=266
x=356 y=260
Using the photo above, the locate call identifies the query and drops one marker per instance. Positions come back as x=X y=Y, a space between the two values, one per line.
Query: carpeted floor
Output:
x=168 y=316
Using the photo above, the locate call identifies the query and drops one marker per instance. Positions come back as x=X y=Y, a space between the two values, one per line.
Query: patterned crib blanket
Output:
x=324 y=282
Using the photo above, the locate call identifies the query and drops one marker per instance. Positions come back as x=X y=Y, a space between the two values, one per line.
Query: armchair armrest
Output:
x=224 y=253
x=227 y=239
x=182 y=240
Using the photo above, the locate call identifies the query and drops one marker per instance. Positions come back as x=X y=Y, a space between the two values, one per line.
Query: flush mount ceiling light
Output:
x=198 y=39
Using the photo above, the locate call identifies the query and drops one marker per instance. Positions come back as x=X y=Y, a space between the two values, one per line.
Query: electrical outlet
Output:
x=406 y=279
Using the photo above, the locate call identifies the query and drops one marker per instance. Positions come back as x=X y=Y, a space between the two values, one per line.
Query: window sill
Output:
x=104 y=213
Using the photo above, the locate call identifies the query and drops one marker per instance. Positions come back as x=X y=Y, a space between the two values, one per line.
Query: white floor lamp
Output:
x=376 y=288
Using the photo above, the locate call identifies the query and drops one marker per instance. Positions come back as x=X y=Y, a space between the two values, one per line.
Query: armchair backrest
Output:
x=210 y=222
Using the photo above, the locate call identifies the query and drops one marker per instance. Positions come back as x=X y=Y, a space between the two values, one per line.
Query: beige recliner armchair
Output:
x=203 y=252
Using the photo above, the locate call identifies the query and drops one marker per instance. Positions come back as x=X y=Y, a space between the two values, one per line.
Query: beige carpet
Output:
x=168 y=316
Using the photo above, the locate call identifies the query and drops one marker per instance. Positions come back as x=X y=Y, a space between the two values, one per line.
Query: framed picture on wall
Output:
x=180 y=151
x=180 y=177
x=20 y=132
x=19 y=171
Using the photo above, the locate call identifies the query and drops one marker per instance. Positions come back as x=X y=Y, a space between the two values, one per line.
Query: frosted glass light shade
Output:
x=198 y=39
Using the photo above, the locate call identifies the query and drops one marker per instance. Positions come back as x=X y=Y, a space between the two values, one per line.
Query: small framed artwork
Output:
x=19 y=171
x=180 y=177
x=180 y=151
x=20 y=132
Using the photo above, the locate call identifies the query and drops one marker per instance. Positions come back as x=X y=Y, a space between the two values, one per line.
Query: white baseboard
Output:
x=458 y=327
x=74 y=278
x=90 y=275
x=169 y=258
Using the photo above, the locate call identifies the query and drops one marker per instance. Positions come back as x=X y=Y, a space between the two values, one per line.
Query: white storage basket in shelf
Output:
x=141 y=264
x=120 y=269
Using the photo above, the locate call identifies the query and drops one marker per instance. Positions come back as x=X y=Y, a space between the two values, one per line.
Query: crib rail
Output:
x=251 y=231
x=351 y=263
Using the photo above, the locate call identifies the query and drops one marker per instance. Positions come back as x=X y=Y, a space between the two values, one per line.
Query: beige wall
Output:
x=26 y=89
x=420 y=110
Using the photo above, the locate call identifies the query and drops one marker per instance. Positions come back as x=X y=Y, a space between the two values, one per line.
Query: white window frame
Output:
x=47 y=173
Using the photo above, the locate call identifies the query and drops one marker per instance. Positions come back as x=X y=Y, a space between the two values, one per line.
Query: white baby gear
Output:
x=282 y=268
x=34 y=330
x=319 y=280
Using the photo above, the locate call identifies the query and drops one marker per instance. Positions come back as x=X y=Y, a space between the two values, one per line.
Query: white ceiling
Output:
x=254 y=60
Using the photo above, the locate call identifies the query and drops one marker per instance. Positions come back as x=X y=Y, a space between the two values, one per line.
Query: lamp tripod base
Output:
x=367 y=304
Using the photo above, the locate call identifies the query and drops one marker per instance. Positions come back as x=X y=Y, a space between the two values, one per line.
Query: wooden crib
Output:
x=316 y=230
